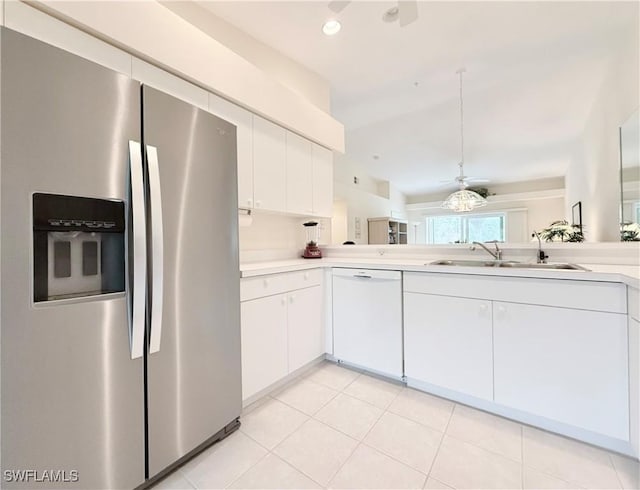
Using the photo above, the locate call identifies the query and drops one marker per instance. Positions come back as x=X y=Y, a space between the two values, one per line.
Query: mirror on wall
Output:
x=630 y=177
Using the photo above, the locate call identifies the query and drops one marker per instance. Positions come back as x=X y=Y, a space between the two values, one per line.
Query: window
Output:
x=466 y=228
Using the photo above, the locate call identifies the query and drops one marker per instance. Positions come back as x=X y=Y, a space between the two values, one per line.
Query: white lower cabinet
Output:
x=634 y=383
x=448 y=343
x=560 y=354
x=305 y=327
x=563 y=364
x=282 y=326
x=264 y=343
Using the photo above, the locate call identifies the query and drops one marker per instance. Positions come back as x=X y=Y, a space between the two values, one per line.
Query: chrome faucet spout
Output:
x=497 y=255
x=541 y=257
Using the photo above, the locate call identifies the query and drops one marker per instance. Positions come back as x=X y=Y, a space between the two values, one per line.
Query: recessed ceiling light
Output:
x=331 y=27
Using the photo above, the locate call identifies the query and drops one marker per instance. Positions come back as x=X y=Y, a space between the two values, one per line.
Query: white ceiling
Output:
x=533 y=70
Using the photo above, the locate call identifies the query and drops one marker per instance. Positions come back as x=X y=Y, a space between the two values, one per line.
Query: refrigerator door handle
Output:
x=157 y=251
x=139 y=243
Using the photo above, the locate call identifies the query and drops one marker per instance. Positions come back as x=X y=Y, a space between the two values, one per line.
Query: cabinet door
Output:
x=306 y=335
x=566 y=365
x=243 y=121
x=299 y=175
x=634 y=383
x=322 y=181
x=447 y=342
x=264 y=343
x=269 y=165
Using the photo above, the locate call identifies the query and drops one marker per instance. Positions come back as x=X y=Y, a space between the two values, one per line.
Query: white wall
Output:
x=593 y=173
x=298 y=78
x=368 y=198
x=277 y=236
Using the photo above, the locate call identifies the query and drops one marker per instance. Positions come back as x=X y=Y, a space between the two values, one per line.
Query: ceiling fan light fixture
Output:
x=331 y=27
x=463 y=200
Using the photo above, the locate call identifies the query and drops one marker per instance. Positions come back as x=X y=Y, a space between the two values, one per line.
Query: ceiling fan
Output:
x=405 y=12
x=462 y=180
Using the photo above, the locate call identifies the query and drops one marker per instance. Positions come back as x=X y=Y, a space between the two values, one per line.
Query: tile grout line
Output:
x=521 y=457
x=310 y=417
x=271 y=451
x=247 y=470
x=444 y=433
x=184 y=475
x=304 y=413
x=360 y=442
x=484 y=449
x=615 y=469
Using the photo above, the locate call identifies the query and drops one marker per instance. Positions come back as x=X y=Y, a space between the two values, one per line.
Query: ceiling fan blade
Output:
x=338 y=6
x=473 y=180
x=408 y=10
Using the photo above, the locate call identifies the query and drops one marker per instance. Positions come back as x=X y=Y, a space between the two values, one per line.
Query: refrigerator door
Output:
x=72 y=397
x=193 y=365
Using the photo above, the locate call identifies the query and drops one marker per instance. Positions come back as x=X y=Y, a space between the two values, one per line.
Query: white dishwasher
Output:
x=367 y=319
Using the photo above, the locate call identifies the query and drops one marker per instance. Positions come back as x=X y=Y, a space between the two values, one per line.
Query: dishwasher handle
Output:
x=362 y=276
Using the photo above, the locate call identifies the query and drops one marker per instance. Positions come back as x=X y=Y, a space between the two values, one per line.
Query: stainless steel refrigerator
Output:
x=119 y=292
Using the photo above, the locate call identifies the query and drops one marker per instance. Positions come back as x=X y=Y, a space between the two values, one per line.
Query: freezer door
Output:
x=193 y=364
x=72 y=397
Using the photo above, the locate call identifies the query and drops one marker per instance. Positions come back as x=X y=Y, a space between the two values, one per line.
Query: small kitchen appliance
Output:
x=311 y=251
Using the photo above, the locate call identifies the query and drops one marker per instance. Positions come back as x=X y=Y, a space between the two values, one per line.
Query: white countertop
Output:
x=627 y=274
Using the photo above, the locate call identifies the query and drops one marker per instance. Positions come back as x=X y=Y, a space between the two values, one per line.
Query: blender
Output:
x=311 y=250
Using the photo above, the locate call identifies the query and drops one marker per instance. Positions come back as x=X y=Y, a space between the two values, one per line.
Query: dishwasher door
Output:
x=367 y=319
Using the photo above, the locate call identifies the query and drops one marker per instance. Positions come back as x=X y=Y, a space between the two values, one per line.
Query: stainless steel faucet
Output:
x=496 y=255
x=542 y=257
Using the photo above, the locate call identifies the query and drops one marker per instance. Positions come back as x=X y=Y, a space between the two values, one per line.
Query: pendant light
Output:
x=463 y=200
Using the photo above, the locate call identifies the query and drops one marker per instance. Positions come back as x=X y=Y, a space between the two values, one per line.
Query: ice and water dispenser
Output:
x=78 y=246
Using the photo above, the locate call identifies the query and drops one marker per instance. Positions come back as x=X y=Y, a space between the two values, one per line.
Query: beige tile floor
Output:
x=338 y=428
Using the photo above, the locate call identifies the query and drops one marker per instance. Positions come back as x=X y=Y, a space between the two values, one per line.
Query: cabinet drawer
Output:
x=270 y=284
x=304 y=279
x=259 y=286
x=584 y=295
x=633 y=300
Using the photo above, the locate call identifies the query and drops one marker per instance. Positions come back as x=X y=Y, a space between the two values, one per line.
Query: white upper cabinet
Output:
x=322 y=164
x=269 y=165
x=299 y=175
x=243 y=121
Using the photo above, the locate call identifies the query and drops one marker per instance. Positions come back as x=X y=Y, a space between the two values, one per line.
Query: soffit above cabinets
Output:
x=197 y=57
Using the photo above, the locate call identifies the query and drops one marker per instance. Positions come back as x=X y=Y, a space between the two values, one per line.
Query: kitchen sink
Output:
x=507 y=264
x=567 y=267
x=471 y=263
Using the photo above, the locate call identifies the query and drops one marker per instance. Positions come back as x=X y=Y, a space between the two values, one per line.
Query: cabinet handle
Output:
x=249 y=202
x=291 y=298
x=501 y=309
x=283 y=300
x=483 y=308
x=258 y=204
x=306 y=276
x=265 y=283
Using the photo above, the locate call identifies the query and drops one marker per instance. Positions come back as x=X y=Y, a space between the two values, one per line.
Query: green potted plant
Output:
x=562 y=231
x=630 y=232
